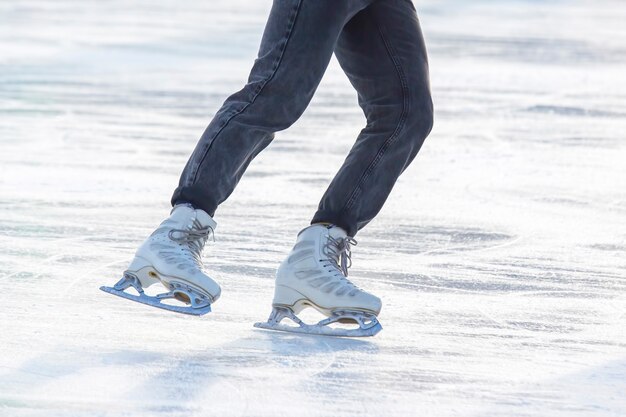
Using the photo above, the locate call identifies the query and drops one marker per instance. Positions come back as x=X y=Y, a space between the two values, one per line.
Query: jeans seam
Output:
x=399 y=127
x=286 y=37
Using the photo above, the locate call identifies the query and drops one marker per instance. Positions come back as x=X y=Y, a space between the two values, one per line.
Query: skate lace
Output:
x=194 y=238
x=339 y=256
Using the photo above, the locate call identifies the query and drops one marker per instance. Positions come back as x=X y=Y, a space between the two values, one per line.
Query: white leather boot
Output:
x=314 y=275
x=172 y=256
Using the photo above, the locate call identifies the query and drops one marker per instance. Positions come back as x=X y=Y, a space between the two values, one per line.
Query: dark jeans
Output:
x=379 y=45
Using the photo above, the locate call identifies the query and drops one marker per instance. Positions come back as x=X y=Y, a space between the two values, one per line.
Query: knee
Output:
x=268 y=108
x=420 y=117
x=417 y=126
x=410 y=116
x=285 y=113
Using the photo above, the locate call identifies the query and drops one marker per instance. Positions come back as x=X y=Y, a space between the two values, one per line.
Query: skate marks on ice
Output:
x=433 y=239
x=598 y=390
x=67 y=382
x=63 y=381
x=266 y=365
x=514 y=295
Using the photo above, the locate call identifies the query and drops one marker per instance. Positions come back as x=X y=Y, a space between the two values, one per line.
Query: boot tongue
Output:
x=336 y=232
x=205 y=220
x=310 y=232
x=183 y=214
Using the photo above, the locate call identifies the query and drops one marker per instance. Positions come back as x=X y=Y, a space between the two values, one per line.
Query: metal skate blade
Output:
x=321 y=330
x=155 y=302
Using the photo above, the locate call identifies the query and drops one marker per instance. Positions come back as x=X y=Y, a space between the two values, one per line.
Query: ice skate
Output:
x=315 y=275
x=171 y=256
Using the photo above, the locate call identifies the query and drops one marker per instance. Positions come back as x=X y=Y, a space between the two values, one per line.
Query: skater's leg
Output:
x=297 y=45
x=382 y=51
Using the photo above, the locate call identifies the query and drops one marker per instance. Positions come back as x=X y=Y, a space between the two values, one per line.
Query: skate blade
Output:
x=155 y=302
x=371 y=328
x=321 y=330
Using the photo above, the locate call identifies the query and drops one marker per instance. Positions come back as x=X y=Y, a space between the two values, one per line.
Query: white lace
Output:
x=193 y=238
x=339 y=256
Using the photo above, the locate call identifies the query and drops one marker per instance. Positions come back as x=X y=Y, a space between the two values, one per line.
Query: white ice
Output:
x=500 y=255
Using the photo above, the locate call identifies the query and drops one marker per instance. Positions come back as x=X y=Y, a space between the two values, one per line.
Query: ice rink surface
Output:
x=500 y=256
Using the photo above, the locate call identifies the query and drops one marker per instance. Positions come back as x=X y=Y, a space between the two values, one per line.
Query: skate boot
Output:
x=315 y=275
x=171 y=256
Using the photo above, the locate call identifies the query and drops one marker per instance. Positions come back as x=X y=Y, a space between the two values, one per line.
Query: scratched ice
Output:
x=500 y=256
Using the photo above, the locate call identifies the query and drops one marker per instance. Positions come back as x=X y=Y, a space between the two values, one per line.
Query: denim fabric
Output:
x=379 y=45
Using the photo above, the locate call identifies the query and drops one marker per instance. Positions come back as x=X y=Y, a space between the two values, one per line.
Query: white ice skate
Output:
x=315 y=275
x=172 y=256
